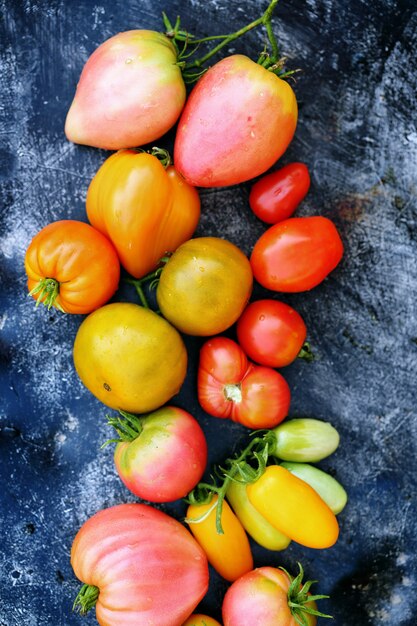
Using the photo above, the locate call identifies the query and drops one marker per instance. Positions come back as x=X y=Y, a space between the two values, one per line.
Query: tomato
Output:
x=304 y=440
x=271 y=333
x=161 y=456
x=275 y=197
x=229 y=386
x=197 y=619
x=238 y=120
x=252 y=521
x=145 y=209
x=294 y=508
x=205 y=286
x=134 y=559
x=130 y=92
x=229 y=553
x=129 y=357
x=72 y=267
x=296 y=254
x=266 y=597
x=326 y=486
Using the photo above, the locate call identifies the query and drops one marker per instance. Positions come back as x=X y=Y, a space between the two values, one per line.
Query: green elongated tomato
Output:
x=133 y=560
x=238 y=120
x=131 y=92
x=304 y=440
x=328 y=488
x=129 y=357
x=252 y=521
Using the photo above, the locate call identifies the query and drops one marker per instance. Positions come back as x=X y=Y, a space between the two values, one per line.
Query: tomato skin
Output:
x=197 y=619
x=81 y=259
x=205 y=286
x=129 y=357
x=260 y=597
x=145 y=209
x=304 y=440
x=167 y=459
x=271 y=333
x=130 y=92
x=275 y=197
x=238 y=120
x=229 y=553
x=294 y=508
x=326 y=486
x=229 y=386
x=252 y=521
x=296 y=254
x=138 y=557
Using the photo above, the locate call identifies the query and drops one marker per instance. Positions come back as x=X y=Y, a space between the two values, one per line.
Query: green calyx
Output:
x=187 y=45
x=306 y=353
x=47 y=291
x=299 y=598
x=86 y=599
x=127 y=426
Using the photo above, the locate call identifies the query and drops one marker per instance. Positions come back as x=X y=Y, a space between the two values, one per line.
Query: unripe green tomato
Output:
x=325 y=485
x=304 y=440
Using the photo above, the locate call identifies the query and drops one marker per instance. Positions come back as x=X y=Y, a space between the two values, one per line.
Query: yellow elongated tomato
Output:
x=129 y=357
x=229 y=553
x=145 y=209
x=205 y=286
x=252 y=521
x=294 y=508
x=197 y=619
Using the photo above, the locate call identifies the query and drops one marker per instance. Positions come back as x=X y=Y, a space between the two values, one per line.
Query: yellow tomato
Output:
x=201 y=620
x=229 y=553
x=129 y=357
x=205 y=286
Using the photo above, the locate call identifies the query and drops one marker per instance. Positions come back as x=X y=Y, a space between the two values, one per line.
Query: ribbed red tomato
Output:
x=134 y=559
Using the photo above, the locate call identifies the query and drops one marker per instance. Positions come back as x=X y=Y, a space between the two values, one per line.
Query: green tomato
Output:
x=304 y=440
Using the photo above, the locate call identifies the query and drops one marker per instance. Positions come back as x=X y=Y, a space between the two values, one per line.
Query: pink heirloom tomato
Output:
x=238 y=120
x=139 y=566
x=160 y=457
x=229 y=386
x=269 y=596
x=296 y=254
x=131 y=92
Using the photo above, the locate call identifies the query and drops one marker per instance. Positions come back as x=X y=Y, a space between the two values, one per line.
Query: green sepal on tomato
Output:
x=296 y=254
x=140 y=202
x=275 y=197
x=161 y=456
x=271 y=333
x=229 y=386
x=133 y=559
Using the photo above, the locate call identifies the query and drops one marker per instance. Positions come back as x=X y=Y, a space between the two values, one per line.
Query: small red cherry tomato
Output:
x=271 y=333
x=275 y=197
x=229 y=386
x=296 y=254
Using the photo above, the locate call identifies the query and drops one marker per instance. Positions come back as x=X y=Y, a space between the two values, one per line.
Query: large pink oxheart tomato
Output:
x=130 y=92
x=261 y=598
x=140 y=566
x=238 y=120
x=160 y=456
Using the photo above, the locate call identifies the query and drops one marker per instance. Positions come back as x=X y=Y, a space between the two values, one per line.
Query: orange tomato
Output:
x=145 y=209
x=229 y=553
x=72 y=267
x=197 y=619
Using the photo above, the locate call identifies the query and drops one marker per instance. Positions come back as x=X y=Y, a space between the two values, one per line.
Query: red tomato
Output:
x=229 y=386
x=271 y=332
x=71 y=266
x=263 y=598
x=296 y=254
x=161 y=456
x=275 y=197
x=134 y=560
x=238 y=120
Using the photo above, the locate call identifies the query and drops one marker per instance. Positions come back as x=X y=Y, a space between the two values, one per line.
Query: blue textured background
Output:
x=357 y=133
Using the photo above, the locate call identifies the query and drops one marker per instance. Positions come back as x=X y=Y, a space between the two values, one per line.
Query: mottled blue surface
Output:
x=357 y=133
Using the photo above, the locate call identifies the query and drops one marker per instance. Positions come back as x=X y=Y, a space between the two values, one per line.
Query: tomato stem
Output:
x=86 y=599
x=47 y=291
x=162 y=155
x=127 y=426
x=306 y=353
x=299 y=598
